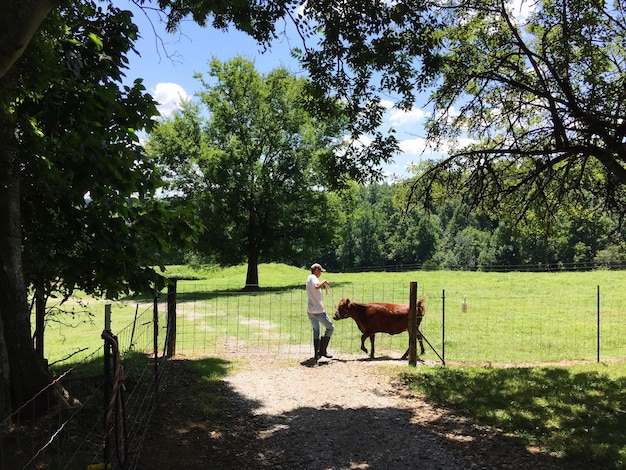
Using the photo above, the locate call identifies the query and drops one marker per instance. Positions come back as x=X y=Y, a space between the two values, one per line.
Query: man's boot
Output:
x=316 y=348
x=323 y=345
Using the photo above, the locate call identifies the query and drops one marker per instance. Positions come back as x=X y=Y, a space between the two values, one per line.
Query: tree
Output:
x=541 y=97
x=254 y=172
x=19 y=23
x=20 y=29
x=22 y=374
x=83 y=182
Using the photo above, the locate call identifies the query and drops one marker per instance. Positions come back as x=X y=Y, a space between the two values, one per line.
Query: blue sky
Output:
x=170 y=79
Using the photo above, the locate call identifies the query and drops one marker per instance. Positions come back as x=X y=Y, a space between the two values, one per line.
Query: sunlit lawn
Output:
x=510 y=317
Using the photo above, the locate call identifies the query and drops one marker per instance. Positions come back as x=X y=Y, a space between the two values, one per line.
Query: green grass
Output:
x=75 y=334
x=511 y=317
x=576 y=413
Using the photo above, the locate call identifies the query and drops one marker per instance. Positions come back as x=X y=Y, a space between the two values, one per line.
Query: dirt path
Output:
x=346 y=413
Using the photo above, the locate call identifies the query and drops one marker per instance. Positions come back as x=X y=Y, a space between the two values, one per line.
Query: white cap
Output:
x=315 y=266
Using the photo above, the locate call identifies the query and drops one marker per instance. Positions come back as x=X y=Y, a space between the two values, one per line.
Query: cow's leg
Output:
x=372 y=344
x=419 y=338
x=419 y=335
x=363 y=348
x=405 y=355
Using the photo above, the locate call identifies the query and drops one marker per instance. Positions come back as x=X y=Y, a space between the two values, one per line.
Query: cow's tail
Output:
x=420 y=306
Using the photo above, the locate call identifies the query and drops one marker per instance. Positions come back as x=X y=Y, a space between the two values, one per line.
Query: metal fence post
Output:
x=443 y=326
x=413 y=324
x=598 y=314
x=107 y=379
x=155 y=333
x=171 y=318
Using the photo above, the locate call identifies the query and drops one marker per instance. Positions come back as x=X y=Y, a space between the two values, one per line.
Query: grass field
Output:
x=511 y=318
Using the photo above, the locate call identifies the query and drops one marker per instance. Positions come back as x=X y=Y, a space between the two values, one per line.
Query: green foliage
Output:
x=575 y=413
x=532 y=103
x=372 y=230
x=252 y=167
x=375 y=229
x=89 y=213
x=360 y=52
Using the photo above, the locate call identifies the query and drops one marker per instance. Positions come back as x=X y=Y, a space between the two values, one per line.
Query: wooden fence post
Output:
x=40 y=313
x=107 y=380
x=155 y=333
x=412 y=327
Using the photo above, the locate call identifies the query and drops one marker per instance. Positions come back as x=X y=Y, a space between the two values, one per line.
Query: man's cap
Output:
x=317 y=266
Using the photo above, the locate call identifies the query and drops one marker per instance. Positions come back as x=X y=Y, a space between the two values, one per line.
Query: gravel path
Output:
x=339 y=414
x=344 y=413
x=348 y=413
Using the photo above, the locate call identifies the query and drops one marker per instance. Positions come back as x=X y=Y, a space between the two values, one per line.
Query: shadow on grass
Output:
x=188 y=294
x=580 y=416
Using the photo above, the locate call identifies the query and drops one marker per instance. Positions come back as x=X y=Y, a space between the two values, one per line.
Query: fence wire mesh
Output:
x=509 y=328
x=72 y=435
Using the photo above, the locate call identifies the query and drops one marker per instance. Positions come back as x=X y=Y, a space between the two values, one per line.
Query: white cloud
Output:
x=400 y=117
x=169 y=96
x=522 y=8
x=413 y=146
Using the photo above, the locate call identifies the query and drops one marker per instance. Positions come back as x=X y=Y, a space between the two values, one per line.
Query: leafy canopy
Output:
x=540 y=97
x=89 y=213
x=254 y=165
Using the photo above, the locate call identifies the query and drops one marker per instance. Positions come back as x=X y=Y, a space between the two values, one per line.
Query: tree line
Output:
x=251 y=160
x=368 y=227
x=373 y=228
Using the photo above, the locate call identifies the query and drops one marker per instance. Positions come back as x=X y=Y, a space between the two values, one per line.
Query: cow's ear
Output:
x=348 y=302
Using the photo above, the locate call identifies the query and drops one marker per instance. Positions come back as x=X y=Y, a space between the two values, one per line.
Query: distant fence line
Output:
x=501 y=268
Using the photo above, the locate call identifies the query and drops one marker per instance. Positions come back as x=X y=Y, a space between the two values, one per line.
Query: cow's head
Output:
x=342 y=309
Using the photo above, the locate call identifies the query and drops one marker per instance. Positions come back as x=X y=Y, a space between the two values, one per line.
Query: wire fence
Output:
x=460 y=326
x=463 y=327
x=76 y=433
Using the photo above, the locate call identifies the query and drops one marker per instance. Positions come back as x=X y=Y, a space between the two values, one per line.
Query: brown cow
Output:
x=380 y=318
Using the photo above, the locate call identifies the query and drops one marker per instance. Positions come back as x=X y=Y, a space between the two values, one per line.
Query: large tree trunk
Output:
x=19 y=21
x=5 y=396
x=22 y=371
x=252 y=274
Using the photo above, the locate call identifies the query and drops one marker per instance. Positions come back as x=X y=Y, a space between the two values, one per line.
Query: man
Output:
x=316 y=312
